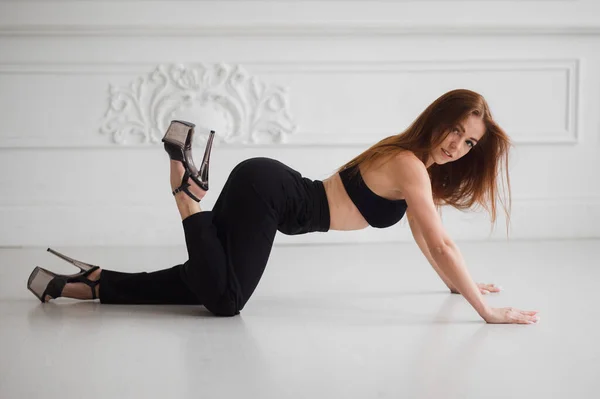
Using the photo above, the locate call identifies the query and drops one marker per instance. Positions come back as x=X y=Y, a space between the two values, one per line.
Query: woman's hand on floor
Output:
x=511 y=316
x=483 y=288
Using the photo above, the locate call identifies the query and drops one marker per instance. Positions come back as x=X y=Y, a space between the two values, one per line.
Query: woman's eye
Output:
x=470 y=143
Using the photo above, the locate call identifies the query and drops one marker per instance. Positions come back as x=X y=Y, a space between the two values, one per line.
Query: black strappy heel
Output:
x=43 y=282
x=178 y=144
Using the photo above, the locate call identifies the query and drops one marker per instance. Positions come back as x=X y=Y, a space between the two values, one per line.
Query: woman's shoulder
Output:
x=407 y=160
x=407 y=170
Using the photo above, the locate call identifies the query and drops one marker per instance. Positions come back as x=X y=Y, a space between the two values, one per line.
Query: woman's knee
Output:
x=206 y=281
x=219 y=310
x=227 y=313
x=225 y=306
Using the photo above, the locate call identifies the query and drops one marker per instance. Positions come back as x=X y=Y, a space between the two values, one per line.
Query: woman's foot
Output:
x=186 y=205
x=80 y=290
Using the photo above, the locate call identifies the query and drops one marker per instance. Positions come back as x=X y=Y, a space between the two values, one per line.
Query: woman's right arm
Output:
x=416 y=187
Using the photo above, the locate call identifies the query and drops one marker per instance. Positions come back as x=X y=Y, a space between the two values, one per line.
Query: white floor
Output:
x=339 y=321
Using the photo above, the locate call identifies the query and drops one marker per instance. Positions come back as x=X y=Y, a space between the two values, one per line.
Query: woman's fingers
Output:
x=528 y=317
x=522 y=319
x=487 y=288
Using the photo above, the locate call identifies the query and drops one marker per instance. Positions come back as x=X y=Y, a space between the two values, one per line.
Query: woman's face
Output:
x=462 y=138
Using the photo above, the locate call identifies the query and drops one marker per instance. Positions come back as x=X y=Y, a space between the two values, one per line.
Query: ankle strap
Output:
x=184 y=187
x=90 y=283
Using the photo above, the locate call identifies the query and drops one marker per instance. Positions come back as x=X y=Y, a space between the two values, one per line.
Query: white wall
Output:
x=311 y=84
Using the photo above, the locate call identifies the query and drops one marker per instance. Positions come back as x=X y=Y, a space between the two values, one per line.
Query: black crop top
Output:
x=378 y=211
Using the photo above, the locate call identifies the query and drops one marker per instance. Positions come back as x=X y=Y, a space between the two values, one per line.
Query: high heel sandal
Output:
x=43 y=282
x=178 y=144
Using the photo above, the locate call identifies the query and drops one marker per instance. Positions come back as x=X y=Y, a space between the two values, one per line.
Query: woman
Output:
x=449 y=155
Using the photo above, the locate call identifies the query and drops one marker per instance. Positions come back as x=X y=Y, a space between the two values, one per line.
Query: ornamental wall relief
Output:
x=221 y=97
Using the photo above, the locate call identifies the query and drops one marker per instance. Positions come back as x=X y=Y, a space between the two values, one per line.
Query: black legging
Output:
x=228 y=247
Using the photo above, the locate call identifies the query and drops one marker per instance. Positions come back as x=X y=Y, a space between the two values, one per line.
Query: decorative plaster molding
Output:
x=297 y=30
x=221 y=97
x=380 y=1
x=566 y=134
x=562 y=134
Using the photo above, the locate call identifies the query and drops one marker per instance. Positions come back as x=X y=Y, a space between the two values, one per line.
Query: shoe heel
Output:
x=203 y=174
x=81 y=265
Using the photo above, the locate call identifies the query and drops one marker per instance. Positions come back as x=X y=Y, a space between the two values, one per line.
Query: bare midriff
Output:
x=344 y=215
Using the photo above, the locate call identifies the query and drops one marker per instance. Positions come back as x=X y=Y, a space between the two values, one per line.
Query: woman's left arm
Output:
x=418 y=236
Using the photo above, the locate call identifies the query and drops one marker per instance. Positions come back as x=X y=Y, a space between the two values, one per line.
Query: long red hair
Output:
x=470 y=180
